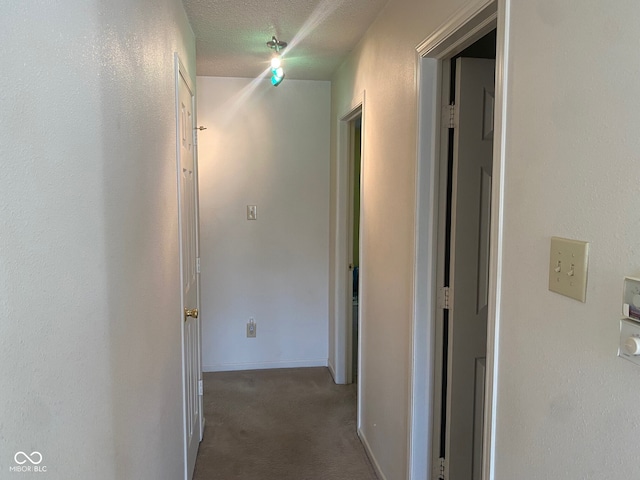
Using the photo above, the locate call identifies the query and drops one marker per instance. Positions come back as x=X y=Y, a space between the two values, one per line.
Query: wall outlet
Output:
x=251 y=328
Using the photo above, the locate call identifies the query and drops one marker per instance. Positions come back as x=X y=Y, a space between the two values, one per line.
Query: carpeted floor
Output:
x=288 y=424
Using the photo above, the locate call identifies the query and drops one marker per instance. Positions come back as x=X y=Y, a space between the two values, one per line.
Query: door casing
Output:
x=465 y=27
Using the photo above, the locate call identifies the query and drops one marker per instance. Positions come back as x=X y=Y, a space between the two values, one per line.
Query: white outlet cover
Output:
x=568 y=264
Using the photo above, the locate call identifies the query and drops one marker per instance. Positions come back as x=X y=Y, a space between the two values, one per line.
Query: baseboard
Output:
x=369 y=453
x=229 y=367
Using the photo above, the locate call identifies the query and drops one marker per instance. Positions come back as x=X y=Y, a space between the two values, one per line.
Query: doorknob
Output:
x=350 y=266
x=190 y=313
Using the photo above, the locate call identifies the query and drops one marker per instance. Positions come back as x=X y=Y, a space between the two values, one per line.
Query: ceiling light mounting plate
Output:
x=276 y=44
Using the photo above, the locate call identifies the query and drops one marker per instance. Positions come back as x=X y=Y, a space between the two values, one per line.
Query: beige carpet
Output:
x=288 y=424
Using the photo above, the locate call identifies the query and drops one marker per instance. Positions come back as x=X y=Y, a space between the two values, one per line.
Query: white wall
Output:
x=566 y=404
x=384 y=67
x=268 y=147
x=89 y=283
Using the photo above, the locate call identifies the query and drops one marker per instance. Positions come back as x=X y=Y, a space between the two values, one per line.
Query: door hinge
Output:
x=441 y=475
x=449 y=116
x=198 y=265
x=200 y=388
x=444 y=298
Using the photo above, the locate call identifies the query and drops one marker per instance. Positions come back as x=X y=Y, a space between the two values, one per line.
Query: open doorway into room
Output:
x=353 y=294
x=464 y=259
x=346 y=363
x=459 y=218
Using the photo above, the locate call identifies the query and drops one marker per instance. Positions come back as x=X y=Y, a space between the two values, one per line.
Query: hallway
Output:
x=280 y=424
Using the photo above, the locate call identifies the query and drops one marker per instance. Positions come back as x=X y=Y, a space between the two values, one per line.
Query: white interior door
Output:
x=471 y=197
x=192 y=371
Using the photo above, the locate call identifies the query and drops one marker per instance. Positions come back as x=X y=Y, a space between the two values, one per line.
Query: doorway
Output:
x=353 y=293
x=431 y=359
x=464 y=255
x=345 y=328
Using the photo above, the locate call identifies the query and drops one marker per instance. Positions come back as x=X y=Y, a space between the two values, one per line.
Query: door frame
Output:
x=341 y=364
x=181 y=72
x=462 y=29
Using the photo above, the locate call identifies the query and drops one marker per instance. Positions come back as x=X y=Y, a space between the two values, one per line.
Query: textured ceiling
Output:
x=231 y=35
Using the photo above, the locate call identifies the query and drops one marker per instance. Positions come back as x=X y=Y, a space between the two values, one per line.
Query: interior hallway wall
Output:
x=567 y=405
x=90 y=368
x=267 y=147
x=384 y=67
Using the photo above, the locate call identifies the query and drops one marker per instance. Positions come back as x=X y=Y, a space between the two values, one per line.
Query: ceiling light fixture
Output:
x=277 y=72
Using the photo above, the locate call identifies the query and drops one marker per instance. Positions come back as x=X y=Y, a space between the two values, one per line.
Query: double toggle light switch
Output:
x=570 y=273
x=568 y=264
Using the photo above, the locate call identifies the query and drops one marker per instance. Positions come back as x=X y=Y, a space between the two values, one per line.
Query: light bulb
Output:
x=275 y=63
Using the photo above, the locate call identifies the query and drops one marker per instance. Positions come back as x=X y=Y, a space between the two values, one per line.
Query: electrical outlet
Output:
x=251 y=328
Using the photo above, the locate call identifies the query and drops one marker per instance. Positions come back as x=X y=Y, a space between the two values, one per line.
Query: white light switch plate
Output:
x=568 y=264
